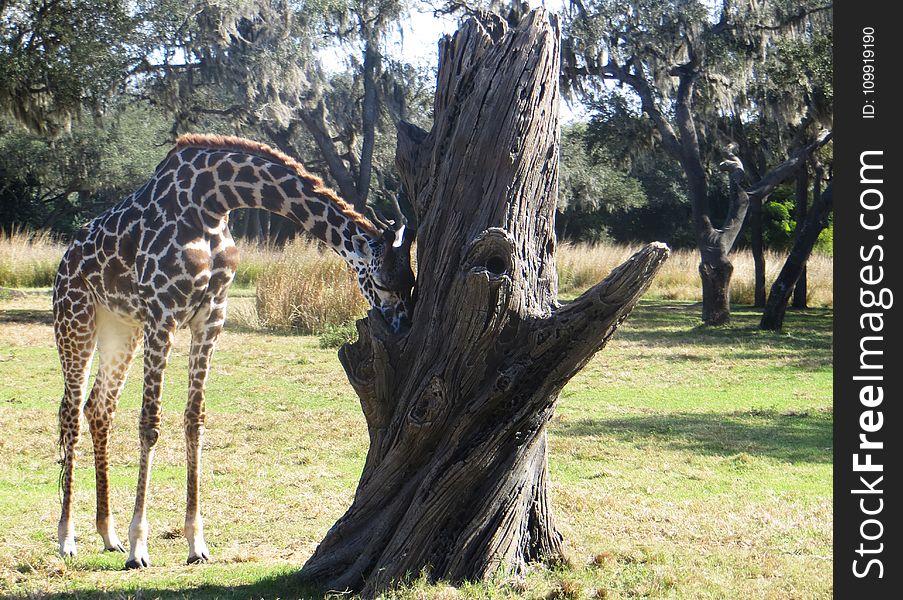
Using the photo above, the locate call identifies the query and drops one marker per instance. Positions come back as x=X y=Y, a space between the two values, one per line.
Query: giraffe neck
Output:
x=219 y=180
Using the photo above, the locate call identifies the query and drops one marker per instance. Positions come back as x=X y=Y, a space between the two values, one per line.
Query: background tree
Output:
x=510 y=11
x=799 y=73
x=689 y=64
x=251 y=67
x=61 y=57
x=256 y=65
x=59 y=182
x=593 y=192
x=617 y=132
x=806 y=238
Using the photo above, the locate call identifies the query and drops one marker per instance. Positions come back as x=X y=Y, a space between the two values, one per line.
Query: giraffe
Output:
x=163 y=258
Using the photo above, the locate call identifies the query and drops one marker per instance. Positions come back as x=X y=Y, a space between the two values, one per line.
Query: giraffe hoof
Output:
x=67 y=549
x=198 y=558
x=116 y=548
x=137 y=563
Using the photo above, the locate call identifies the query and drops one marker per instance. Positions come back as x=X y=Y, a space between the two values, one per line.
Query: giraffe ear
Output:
x=362 y=247
x=399 y=237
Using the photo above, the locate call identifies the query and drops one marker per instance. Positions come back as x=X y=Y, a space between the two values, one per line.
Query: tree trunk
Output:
x=264 y=217
x=252 y=227
x=715 y=267
x=455 y=482
x=758 y=250
x=368 y=120
x=802 y=200
x=315 y=121
x=286 y=232
x=816 y=221
x=715 y=270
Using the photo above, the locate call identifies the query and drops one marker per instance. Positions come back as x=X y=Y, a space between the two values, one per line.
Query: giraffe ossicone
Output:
x=163 y=258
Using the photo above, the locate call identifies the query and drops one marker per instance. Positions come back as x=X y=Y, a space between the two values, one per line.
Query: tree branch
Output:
x=368 y=120
x=741 y=198
x=788 y=168
x=315 y=121
x=579 y=329
x=638 y=82
x=739 y=201
x=794 y=18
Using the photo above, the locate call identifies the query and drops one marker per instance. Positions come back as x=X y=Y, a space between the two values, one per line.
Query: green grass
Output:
x=686 y=462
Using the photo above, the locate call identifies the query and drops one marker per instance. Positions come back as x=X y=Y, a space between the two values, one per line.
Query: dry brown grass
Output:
x=307 y=289
x=28 y=259
x=310 y=289
x=582 y=265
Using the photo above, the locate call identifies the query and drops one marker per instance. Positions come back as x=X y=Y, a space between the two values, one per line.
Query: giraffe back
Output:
x=157 y=254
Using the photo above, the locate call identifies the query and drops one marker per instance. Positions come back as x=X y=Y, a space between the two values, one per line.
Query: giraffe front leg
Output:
x=157 y=344
x=194 y=523
x=203 y=342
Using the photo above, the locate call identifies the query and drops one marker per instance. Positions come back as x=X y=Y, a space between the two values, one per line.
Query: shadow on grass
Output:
x=804 y=437
x=274 y=331
x=28 y=316
x=283 y=586
x=658 y=322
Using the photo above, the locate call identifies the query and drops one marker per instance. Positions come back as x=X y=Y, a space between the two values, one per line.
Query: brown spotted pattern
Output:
x=163 y=258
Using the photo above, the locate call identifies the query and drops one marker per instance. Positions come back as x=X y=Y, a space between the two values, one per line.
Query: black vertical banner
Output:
x=867 y=259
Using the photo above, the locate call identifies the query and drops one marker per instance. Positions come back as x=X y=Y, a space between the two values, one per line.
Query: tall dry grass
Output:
x=306 y=289
x=582 y=265
x=311 y=290
x=28 y=259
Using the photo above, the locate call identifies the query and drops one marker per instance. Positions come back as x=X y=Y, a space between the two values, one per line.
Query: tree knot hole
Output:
x=508 y=376
x=492 y=252
x=496 y=265
x=430 y=407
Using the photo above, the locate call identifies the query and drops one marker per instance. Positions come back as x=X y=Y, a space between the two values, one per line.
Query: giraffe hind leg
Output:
x=204 y=333
x=75 y=332
x=116 y=347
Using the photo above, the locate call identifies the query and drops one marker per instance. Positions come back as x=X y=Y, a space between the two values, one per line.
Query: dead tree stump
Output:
x=456 y=480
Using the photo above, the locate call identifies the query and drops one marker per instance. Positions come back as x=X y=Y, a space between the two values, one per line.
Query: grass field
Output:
x=686 y=462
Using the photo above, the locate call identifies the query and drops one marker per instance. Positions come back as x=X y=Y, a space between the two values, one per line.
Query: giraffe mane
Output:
x=239 y=144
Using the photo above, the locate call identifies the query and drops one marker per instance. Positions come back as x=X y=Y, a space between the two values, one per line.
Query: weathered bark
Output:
x=456 y=480
x=816 y=221
x=802 y=204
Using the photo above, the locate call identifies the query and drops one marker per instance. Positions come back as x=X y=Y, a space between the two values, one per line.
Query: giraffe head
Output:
x=385 y=275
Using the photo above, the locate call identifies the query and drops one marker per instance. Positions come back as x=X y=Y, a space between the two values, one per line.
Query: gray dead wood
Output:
x=456 y=479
